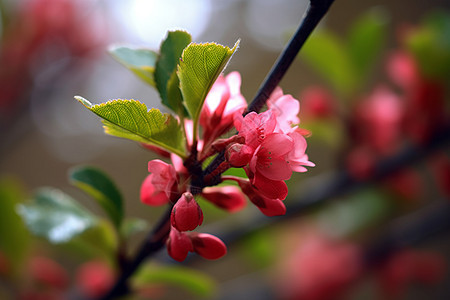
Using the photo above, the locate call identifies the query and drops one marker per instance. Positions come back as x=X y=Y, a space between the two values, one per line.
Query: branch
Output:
x=315 y=12
x=339 y=184
x=158 y=236
x=151 y=245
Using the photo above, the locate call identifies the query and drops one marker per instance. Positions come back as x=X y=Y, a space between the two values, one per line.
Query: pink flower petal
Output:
x=226 y=197
x=272 y=207
x=273 y=189
x=274 y=169
x=178 y=245
x=150 y=196
x=207 y=245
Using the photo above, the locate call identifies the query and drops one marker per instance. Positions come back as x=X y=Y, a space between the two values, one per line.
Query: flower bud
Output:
x=186 y=213
x=239 y=155
x=207 y=245
x=178 y=245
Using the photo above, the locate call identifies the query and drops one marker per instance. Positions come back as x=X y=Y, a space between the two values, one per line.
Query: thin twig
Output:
x=315 y=12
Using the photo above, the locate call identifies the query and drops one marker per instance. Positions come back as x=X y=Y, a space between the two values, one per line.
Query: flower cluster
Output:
x=269 y=146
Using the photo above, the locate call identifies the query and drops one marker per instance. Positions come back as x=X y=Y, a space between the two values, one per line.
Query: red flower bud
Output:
x=186 y=213
x=178 y=245
x=239 y=155
x=207 y=245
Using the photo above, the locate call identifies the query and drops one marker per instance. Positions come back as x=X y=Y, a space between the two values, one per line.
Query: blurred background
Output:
x=373 y=83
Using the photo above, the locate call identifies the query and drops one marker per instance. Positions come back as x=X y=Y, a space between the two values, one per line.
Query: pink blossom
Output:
x=270 y=158
x=223 y=101
x=279 y=155
x=317 y=103
x=228 y=197
x=160 y=186
x=286 y=110
x=297 y=157
x=186 y=213
x=319 y=269
x=255 y=127
x=380 y=117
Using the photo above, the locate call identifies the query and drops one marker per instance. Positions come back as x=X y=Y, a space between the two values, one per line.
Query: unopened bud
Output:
x=239 y=155
x=186 y=213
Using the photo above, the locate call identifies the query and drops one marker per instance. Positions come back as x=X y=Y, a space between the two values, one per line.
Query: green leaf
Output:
x=99 y=186
x=174 y=95
x=14 y=236
x=191 y=280
x=326 y=53
x=169 y=56
x=130 y=119
x=366 y=39
x=199 y=68
x=140 y=61
x=55 y=215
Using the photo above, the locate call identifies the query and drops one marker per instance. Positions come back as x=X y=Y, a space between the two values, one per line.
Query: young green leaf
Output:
x=327 y=54
x=99 y=186
x=366 y=40
x=199 y=68
x=55 y=216
x=191 y=280
x=166 y=65
x=130 y=119
x=140 y=61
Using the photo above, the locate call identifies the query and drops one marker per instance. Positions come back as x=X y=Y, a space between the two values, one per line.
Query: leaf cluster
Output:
x=182 y=72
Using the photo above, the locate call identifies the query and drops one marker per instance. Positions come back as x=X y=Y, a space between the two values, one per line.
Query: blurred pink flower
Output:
x=94 y=278
x=320 y=268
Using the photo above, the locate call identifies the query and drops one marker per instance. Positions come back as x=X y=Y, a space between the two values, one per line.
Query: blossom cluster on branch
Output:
x=269 y=146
